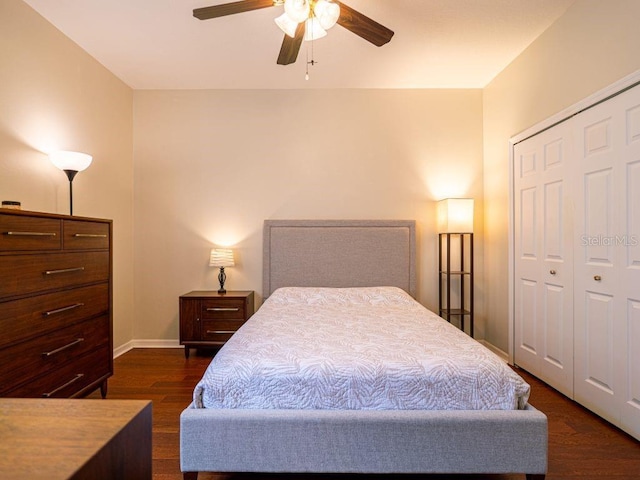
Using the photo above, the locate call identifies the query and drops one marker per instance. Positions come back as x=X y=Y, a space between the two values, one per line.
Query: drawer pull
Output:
x=31 y=234
x=552 y=272
x=62 y=309
x=597 y=278
x=58 y=350
x=89 y=235
x=64 y=270
x=73 y=380
x=213 y=332
x=223 y=309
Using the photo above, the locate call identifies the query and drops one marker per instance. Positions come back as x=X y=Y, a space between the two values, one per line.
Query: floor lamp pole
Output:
x=70 y=175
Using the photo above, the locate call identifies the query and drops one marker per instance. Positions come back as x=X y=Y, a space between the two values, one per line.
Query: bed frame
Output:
x=341 y=253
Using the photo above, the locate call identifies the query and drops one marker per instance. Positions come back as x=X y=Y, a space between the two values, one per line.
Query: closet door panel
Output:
x=598 y=338
x=554 y=348
x=527 y=245
x=543 y=294
x=603 y=279
x=632 y=232
x=528 y=332
x=631 y=408
x=598 y=210
x=630 y=269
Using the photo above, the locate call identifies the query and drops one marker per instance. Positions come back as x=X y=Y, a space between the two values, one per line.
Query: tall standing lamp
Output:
x=455 y=245
x=221 y=258
x=71 y=163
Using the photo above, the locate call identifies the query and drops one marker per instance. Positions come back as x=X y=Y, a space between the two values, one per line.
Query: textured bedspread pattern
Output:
x=355 y=348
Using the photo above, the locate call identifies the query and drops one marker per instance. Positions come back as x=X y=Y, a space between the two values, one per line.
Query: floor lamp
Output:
x=71 y=163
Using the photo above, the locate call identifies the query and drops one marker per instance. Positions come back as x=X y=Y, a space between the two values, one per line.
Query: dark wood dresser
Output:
x=55 y=305
x=208 y=319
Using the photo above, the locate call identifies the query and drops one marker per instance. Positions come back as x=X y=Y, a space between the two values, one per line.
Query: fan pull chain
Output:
x=311 y=62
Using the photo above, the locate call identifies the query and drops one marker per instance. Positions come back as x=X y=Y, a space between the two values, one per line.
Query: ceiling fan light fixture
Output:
x=297 y=10
x=327 y=13
x=287 y=25
x=313 y=30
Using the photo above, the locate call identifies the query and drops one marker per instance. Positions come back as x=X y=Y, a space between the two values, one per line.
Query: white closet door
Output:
x=630 y=253
x=543 y=290
x=607 y=260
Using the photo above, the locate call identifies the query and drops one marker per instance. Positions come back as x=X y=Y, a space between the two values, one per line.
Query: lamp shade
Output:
x=327 y=13
x=313 y=30
x=297 y=10
x=286 y=24
x=74 y=161
x=455 y=215
x=221 y=257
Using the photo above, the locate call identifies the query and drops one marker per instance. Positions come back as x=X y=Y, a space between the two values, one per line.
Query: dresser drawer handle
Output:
x=73 y=380
x=89 y=235
x=58 y=350
x=223 y=309
x=219 y=332
x=64 y=270
x=63 y=309
x=31 y=234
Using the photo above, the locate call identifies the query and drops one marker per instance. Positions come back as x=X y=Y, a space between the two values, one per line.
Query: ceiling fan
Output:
x=336 y=12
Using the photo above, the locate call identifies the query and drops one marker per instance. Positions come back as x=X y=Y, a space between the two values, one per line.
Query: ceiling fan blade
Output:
x=215 y=11
x=363 y=26
x=291 y=46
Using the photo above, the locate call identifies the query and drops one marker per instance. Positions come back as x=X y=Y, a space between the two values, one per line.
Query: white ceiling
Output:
x=158 y=44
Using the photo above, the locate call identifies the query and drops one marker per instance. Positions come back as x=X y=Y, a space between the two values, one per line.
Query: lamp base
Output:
x=222 y=277
x=70 y=175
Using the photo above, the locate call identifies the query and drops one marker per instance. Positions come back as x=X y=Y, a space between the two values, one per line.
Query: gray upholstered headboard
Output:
x=339 y=253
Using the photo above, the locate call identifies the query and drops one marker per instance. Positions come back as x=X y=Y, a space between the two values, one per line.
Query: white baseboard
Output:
x=141 y=343
x=504 y=356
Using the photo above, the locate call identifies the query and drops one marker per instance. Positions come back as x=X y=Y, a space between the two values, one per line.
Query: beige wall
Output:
x=53 y=95
x=210 y=166
x=593 y=45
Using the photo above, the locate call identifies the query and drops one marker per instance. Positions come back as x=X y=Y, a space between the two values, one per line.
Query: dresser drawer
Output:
x=50 y=352
x=83 y=235
x=223 y=308
x=29 y=233
x=27 y=274
x=70 y=379
x=34 y=316
x=219 y=330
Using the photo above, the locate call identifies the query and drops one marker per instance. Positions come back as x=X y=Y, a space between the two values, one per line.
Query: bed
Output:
x=366 y=259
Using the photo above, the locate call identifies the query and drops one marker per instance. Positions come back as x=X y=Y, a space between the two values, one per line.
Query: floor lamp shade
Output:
x=66 y=160
x=455 y=215
x=71 y=163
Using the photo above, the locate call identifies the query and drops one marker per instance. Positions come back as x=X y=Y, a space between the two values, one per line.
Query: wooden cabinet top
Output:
x=54 y=438
x=215 y=294
x=58 y=216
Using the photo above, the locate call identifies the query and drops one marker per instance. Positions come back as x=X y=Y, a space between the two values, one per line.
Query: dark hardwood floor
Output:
x=581 y=445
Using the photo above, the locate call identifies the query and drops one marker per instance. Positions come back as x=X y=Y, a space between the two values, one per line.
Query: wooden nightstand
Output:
x=209 y=318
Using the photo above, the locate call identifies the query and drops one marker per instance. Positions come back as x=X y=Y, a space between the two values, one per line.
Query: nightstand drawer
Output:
x=219 y=330
x=232 y=308
x=50 y=352
x=81 y=235
x=26 y=274
x=29 y=233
